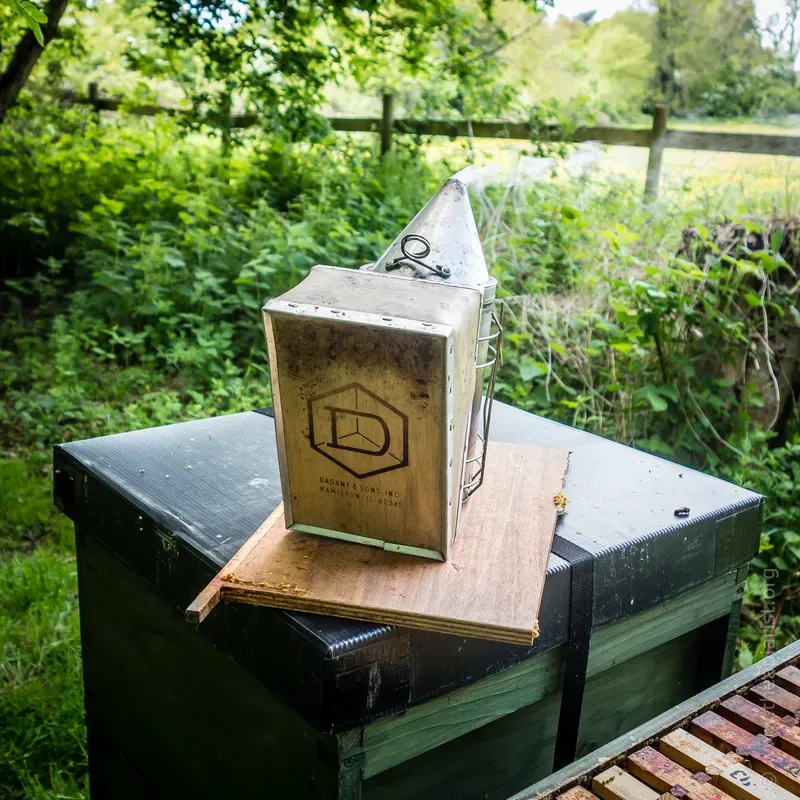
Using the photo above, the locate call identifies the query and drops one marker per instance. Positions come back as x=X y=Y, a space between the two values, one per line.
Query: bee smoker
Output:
x=377 y=379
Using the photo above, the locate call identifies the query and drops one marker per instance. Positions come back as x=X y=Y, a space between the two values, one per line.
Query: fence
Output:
x=657 y=138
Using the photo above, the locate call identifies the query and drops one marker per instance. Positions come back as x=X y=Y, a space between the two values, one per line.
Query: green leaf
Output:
x=669 y=391
x=114 y=206
x=37 y=31
x=530 y=369
x=31 y=15
x=761 y=650
x=653 y=396
x=767 y=261
x=779 y=563
x=777 y=240
x=175 y=260
x=753 y=299
x=745 y=658
x=30 y=10
x=622 y=347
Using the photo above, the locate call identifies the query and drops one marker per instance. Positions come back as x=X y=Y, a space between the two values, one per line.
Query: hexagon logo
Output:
x=358 y=430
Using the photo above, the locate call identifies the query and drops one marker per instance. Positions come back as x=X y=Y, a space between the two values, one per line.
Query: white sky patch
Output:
x=604 y=8
x=607 y=8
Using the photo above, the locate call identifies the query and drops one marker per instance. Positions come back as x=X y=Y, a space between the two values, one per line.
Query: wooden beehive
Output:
x=260 y=702
x=739 y=739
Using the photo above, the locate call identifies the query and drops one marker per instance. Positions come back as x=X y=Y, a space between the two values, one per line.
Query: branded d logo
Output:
x=358 y=430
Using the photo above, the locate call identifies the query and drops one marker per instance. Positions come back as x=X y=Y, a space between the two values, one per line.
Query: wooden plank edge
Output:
x=262 y=596
x=438 y=720
x=754 y=143
x=204 y=603
x=208 y=599
x=251 y=543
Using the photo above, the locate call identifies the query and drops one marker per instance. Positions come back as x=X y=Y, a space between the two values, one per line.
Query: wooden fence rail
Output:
x=657 y=138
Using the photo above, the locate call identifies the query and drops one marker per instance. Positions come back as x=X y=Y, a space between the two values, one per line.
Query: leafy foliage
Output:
x=278 y=57
x=30 y=15
x=684 y=356
x=767 y=90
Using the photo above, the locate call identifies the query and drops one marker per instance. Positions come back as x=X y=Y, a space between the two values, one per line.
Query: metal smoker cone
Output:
x=446 y=225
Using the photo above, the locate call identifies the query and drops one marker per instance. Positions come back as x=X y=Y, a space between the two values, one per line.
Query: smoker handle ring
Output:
x=416 y=258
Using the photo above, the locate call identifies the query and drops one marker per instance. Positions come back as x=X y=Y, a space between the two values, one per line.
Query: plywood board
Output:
x=490 y=588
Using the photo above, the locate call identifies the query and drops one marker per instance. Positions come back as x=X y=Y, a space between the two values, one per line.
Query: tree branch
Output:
x=26 y=55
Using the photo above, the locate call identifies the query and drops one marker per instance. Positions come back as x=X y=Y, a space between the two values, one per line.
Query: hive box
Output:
x=266 y=703
x=373 y=378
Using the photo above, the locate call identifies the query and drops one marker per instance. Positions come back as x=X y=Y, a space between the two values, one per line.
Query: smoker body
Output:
x=373 y=379
x=445 y=235
x=377 y=379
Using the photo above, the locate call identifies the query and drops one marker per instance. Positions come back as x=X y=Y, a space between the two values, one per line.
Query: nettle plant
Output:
x=693 y=354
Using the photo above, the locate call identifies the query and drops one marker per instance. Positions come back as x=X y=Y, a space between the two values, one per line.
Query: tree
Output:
x=28 y=50
x=605 y=67
x=668 y=30
x=781 y=31
x=700 y=43
x=276 y=57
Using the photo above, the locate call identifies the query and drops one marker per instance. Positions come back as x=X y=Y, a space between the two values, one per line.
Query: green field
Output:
x=714 y=176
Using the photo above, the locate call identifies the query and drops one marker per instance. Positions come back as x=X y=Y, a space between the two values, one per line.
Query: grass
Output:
x=42 y=735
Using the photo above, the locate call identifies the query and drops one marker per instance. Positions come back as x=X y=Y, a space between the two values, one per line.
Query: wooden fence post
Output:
x=93 y=91
x=387 y=122
x=226 y=124
x=660 y=118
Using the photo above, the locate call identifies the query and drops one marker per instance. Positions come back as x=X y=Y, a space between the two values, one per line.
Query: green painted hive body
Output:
x=273 y=704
